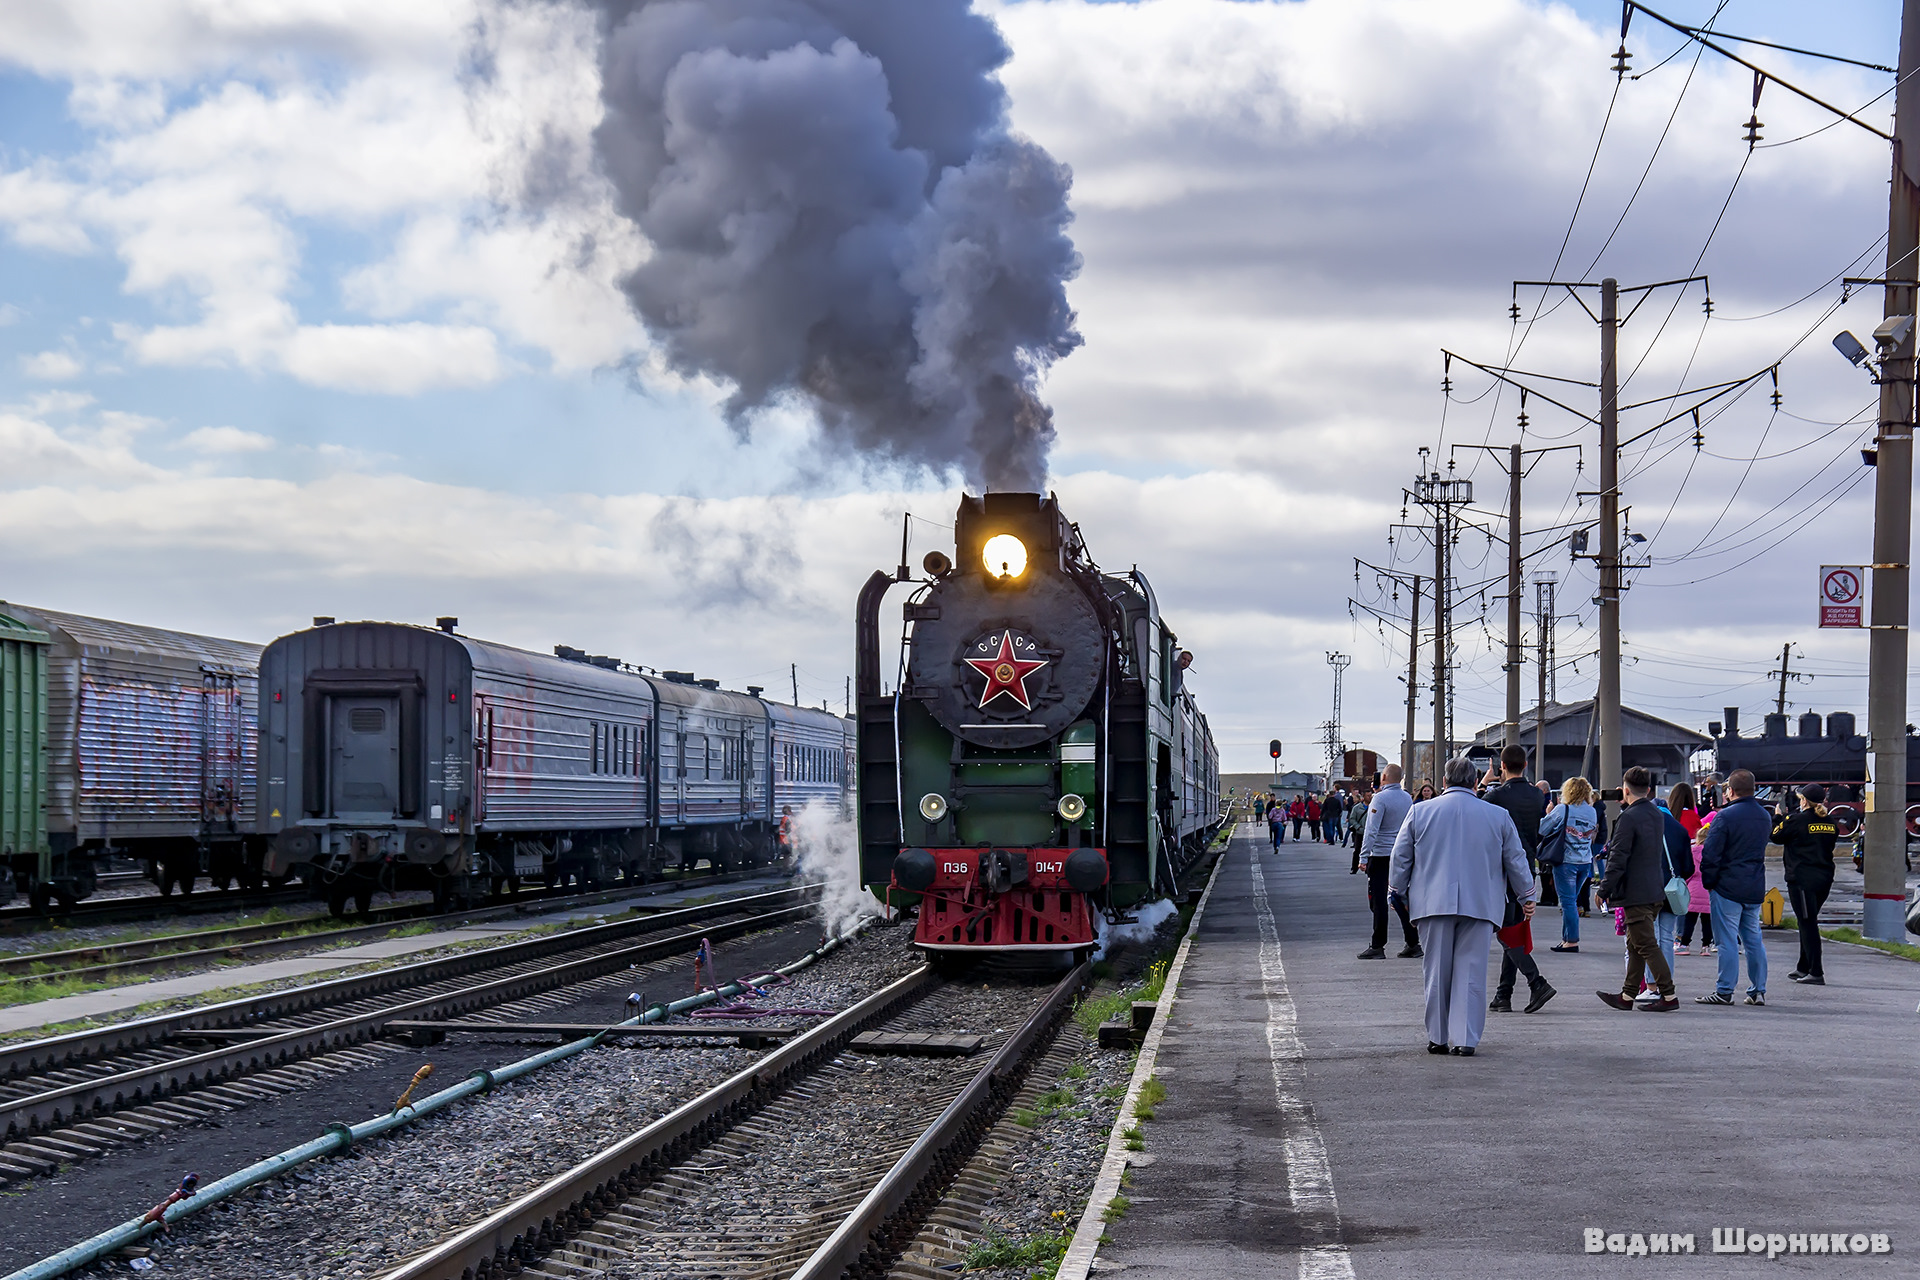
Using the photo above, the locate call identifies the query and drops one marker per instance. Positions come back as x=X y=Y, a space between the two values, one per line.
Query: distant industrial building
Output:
x=1659 y=745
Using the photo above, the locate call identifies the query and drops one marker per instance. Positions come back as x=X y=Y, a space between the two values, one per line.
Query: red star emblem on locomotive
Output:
x=1006 y=673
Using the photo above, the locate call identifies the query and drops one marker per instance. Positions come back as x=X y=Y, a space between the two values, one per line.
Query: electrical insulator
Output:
x=1753 y=130
x=1514 y=310
x=1698 y=438
x=1775 y=372
x=1621 y=65
x=1708 y=306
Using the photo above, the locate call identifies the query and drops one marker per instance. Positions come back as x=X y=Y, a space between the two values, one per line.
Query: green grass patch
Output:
x=997 y=1250
x=1076 y=1071
x=1136 y=1138
x=1116 y=1209
x=1904 y=950
x=1052 y=1100
x=1026 y=1117
x=1152 y=1094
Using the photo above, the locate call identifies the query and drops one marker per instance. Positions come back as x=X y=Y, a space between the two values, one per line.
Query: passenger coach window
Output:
x=593 y=727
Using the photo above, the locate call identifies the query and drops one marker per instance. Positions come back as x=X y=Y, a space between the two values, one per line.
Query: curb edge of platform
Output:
x=1079 y=1258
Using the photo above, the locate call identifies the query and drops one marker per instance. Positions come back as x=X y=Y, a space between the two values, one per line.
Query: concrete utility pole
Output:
x=1785 y=673
x=1886 y=800
x=1441 y=578
x=1607 y=698
x=1543 y=624
x=1442 y=494
x=1413 y=685
x=1512 y=732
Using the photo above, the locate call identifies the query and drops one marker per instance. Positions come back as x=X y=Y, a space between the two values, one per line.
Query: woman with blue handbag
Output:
x=1566 y=845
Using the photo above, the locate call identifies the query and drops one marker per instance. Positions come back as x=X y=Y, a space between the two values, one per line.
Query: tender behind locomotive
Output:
x=1041 y=761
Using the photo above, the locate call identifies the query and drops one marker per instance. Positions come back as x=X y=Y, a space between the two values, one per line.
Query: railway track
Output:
x=60 y=1085
x=151 y=955
x=820 y=1160
x=153 y=906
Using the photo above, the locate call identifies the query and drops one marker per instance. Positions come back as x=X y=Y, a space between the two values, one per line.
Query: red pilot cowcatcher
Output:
x=1006 y=673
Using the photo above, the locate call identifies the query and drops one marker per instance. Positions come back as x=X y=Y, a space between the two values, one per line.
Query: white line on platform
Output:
x=1309 y=1175
x=1079 y=1258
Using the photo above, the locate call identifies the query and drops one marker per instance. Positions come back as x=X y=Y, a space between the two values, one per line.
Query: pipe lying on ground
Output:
x=339 y=1137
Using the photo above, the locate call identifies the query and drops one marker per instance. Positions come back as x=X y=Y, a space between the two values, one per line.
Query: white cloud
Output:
x=10 y=314
x=39 y=211
x=52 y=366
x=457 y=133
x=225 y=440
x=395 y=359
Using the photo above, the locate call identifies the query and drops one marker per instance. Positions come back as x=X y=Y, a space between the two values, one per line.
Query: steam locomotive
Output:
x=1041 y=763
x=1833 y=754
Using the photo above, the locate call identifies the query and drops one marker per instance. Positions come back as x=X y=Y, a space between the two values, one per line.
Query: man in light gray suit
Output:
x=1453 y=861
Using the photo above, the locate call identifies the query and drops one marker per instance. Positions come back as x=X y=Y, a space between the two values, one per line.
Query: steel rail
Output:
x=57 y=1051
x=69 y=1103
x=563 y=1205
x=339 y=1137
x=884 y=1219
x=150 y=906
x=145 y=955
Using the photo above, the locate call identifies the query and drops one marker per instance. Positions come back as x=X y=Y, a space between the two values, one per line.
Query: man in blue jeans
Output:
x=1733 y=867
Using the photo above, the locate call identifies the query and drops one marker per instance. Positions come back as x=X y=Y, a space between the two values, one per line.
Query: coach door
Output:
x=364 y=756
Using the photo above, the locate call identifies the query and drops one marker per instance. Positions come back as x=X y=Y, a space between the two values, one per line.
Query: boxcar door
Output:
x=220 y=747
x=364 y=755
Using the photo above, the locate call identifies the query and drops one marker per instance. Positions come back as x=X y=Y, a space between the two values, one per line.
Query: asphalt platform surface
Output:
x=1306 y=1130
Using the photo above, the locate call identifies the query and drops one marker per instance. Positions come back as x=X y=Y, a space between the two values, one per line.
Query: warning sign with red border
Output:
x=1842 y=595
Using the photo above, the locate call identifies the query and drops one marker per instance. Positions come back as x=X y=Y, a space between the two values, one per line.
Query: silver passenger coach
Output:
x=399 y=756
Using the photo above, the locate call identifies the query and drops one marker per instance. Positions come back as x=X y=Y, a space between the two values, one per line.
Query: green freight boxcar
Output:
x=23 y=753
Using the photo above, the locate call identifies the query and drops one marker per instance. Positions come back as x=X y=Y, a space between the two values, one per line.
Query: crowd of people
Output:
x=1469 y=864
x=1326 y=817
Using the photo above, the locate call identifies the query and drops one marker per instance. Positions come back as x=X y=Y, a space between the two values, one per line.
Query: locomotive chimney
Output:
x=1732 y=715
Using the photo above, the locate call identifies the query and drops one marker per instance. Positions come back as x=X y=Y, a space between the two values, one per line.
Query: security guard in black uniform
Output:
x=1807 y=836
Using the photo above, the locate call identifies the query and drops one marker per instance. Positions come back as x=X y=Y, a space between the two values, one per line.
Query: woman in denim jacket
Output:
x=1575 y=816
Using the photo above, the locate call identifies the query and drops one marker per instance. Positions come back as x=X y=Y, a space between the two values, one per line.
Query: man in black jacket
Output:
x=1526 y=806
x=1636 y=880
x=1806 y=838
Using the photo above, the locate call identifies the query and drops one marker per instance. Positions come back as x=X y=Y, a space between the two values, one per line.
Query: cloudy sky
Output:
x=311 y=307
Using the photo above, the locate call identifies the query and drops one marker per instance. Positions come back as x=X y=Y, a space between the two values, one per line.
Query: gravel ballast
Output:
x=353 y=1214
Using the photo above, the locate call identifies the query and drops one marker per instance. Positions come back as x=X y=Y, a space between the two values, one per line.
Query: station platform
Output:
x=118 y=1000
x=1306 y=1130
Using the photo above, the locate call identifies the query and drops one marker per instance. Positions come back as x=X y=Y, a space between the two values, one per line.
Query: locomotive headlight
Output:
x=933 y=806
x=1072 y=807
x=1005 y=556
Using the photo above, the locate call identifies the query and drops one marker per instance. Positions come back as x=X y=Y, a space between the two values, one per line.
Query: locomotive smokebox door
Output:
x=1007 y=651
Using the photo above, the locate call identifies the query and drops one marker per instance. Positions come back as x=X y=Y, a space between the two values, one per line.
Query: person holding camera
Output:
x=1525 y=805
x=1806 y=838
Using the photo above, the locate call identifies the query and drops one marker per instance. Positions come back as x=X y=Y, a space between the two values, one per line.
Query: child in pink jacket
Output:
x=1699 y=906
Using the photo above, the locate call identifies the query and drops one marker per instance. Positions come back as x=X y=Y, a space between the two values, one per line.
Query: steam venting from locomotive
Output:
x=839 y=213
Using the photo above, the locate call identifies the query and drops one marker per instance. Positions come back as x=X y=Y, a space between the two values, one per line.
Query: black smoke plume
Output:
x=838 y=210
